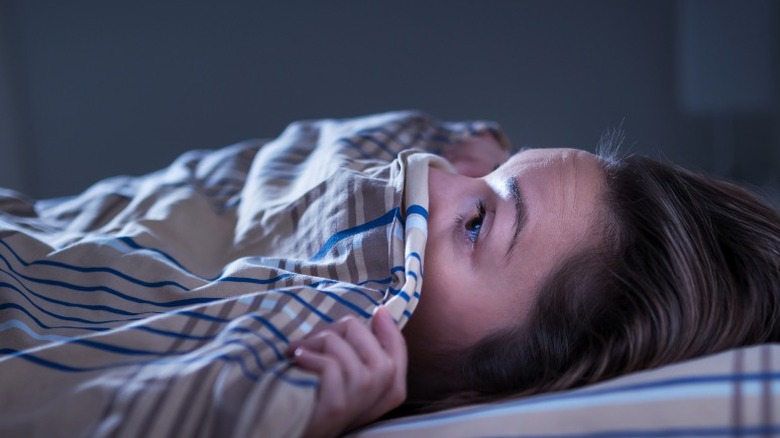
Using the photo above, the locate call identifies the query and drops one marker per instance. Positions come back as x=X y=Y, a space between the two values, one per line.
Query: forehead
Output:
x=561 y=170
x=542 y=157
x=562 y=190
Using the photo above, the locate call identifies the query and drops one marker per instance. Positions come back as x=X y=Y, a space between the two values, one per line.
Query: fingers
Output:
x=348 y=338
x=362 y=370
x=334 y=345
x=393 y=344
x=334 y=410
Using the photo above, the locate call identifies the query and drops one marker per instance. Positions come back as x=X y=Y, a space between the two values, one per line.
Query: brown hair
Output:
x=690 y=266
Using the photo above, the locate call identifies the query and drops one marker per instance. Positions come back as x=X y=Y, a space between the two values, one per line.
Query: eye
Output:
x=474 y=225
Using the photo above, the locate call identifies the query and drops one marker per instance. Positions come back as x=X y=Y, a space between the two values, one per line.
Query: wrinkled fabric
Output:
x=162 y=305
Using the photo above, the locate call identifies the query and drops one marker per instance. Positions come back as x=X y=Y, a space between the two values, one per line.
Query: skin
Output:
x=362 y=372
x=473 y=285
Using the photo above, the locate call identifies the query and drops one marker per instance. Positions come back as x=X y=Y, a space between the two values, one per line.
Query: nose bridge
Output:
x=445 y=191
x=449 y=185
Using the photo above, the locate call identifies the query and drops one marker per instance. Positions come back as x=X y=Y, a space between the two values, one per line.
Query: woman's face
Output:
x=493 y=240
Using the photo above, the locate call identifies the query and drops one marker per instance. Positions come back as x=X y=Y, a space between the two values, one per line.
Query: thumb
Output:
x=388 y=334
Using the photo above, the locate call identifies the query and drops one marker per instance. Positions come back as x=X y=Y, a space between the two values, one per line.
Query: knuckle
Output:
x=337 y=408
x=397 y=394
x=347 y=320
x=364 y=382
x=329 y=363
x=349 y=326
x=328 y=338
x=385 y=366
x=401 y=341
x=352 y=324
x=318 y=329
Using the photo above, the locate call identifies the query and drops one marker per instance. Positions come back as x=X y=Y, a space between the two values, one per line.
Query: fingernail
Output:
x=298 y=352
x=378 y=311
x=385 y=314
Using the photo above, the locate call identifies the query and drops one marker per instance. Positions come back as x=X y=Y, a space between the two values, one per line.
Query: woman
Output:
x=596 y=266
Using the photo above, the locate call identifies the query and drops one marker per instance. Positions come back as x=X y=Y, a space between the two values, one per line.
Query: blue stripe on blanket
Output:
x=383 y=220
x=272 y=328
x=346 y=303
x=349 y=288
x=70 y=267
x=252 y=332
x=257 y=280
x=65 y=285
x=98 y=307
x=103 y=346
x=361 y=293
x=45 y=326
x=417 y=209
x=172 y=334
x=62 y=317
x=414 y=255
x=19 y=325
x=382 y=281
x=206 y=338
x=127 y=240
x=400 y=293
x=185 y=359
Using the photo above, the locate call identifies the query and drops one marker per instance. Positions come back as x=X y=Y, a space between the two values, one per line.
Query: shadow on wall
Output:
x=92 y=89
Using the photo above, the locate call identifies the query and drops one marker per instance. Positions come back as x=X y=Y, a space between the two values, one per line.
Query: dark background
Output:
x=90 y=89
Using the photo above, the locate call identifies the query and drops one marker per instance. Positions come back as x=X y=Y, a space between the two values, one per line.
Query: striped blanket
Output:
x=161 y=305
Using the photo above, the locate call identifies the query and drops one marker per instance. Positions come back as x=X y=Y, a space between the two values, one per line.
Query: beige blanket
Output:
x=161 y=305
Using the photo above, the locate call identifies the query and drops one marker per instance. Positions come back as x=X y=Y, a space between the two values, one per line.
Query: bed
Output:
x=161 y=305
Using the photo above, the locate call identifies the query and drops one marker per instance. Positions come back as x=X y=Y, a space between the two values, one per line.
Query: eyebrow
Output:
x=521 y=215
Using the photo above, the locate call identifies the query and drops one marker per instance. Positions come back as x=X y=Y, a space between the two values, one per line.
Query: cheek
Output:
x=438 y=321
x=454 y=311
x=435 y=323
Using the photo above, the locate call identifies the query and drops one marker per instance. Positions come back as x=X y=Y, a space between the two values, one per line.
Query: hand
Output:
x=476 y=156
x=362 y=372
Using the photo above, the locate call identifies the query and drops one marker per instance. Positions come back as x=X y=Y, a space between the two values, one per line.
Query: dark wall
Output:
x=96 y=88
